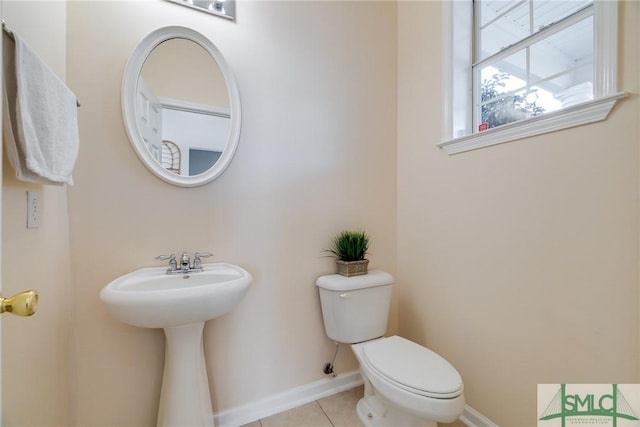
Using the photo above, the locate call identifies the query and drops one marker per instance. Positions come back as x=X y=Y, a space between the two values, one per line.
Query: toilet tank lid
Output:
x=336 y=282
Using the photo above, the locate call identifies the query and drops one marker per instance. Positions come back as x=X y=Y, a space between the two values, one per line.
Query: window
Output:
x=531 y=57
x=520 y=68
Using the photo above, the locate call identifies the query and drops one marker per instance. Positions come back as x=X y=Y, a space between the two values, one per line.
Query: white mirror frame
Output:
x=129 y=85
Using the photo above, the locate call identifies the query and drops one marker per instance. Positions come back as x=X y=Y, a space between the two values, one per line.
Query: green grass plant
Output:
x=350 y=245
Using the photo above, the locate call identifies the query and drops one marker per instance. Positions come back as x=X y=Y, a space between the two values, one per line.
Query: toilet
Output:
x=405 y=384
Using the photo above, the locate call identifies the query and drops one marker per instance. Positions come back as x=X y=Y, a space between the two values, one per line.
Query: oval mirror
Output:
x=181 y=106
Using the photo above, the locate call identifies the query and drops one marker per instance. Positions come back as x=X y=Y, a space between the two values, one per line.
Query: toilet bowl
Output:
x=405 y=384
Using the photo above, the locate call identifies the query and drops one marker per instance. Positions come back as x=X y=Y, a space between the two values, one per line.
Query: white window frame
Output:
x=457 y=133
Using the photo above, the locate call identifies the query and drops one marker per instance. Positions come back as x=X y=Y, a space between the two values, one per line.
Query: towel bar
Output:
x=10 y=34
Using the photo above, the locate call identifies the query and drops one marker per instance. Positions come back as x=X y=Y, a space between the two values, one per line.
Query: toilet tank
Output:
x=355 y=309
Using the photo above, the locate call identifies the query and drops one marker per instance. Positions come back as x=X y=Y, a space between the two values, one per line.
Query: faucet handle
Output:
x=202 y=254
x=173 y=264
x=197 y=264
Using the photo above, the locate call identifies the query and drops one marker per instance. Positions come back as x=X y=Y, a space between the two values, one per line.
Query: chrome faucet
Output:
x=184 y=262
x=185 y=265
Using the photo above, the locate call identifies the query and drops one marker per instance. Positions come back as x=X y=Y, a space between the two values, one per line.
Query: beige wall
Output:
x=518 y=263
x=36 y=351
x=317 y=155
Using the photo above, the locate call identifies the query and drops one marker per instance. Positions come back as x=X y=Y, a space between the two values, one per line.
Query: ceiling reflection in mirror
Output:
x=183 y=107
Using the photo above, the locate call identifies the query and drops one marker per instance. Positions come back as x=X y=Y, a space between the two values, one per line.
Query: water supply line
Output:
x=328 y=367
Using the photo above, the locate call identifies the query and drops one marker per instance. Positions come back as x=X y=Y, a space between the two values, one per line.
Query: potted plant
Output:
x=349 y=249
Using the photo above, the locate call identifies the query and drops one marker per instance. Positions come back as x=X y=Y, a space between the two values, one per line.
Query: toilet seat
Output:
x=412 y=367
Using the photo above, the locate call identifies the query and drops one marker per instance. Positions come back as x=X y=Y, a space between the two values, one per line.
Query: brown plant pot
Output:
x=352 y=268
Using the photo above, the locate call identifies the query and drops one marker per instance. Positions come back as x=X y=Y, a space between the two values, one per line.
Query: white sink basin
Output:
x=150 y=298
x=180 y=304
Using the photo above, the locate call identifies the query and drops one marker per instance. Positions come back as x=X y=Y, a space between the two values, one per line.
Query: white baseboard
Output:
x=473 y=418
x=299 y=396
x=290 y=399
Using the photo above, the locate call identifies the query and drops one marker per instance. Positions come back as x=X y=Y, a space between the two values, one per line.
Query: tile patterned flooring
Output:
x=338 y=410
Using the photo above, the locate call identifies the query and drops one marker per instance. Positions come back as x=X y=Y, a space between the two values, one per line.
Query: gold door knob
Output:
x=22 y=304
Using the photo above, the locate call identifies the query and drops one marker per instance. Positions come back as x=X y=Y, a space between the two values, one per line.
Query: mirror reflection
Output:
x=183 y=107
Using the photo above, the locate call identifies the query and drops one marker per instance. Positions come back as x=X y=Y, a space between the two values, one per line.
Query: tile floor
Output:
x=338 y=410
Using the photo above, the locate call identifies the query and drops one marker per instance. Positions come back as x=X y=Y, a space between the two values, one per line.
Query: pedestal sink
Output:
x=180 y=304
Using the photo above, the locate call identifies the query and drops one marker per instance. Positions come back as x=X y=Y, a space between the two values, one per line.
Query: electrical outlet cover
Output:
x=33 y=209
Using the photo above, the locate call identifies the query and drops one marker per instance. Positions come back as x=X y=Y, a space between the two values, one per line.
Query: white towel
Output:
x=45 y=119
x=14 y=152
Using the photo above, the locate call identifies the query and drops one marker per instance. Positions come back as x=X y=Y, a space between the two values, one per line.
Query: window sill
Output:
x=577 y=115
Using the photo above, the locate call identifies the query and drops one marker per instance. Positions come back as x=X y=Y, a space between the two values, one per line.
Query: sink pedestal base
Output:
x=185 y=399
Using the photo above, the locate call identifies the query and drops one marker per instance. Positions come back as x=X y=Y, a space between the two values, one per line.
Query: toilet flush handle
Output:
x=345 y=295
